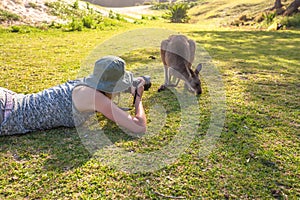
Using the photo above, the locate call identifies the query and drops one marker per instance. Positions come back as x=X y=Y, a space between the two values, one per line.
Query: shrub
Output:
x=8 y=16
x=178 y=13
x=15 y=29
x=153 y=18
x=160 y=6
x=23 y=29
x=292 y=21
x=269 y=17
x=88 y=21
x=144 y=17
x=116 y=16
x=64 y=10
x=76 y=5
x=55 y=25
x=85 y=17
x=32 y=5
x=76 y=25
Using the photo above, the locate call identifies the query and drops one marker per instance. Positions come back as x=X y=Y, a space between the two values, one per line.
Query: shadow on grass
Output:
x=58 y=149
x=261 y=74
x=266 y=63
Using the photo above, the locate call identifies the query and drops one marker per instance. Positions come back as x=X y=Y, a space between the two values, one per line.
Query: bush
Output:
x=23 y=29
x=160 y=6
x=292 y=21
x=178 y=13
x=76 y=5
x=116 y=16
x=269 y=17
x=8 y=16
x=76 y=25
x=86 y=17
x=32 y=5
x=55 y=25
x=64 y=10
x=15 y=29
x=88 y=21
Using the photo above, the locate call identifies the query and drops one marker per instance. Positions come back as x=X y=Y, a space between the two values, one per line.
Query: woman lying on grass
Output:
x=72 y=103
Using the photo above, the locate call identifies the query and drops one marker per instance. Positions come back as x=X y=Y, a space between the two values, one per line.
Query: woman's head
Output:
x=109 y=75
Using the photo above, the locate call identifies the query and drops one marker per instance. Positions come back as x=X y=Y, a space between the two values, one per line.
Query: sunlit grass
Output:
x=256 y=156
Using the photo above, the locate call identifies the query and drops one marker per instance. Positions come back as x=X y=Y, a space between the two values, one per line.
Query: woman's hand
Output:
x=139 y=90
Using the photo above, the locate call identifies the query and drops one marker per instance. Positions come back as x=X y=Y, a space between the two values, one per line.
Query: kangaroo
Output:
x=177 y=54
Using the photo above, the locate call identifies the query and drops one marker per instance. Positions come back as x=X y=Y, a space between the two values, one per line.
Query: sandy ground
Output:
x=38 y=13
x=24 y=9
x=135 y=11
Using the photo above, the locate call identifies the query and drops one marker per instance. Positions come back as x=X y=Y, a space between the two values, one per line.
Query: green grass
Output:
x=255 y=157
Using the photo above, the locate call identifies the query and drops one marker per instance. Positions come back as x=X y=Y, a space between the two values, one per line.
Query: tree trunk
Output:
x=292 y=8
x=277 y=4
x=278 y=7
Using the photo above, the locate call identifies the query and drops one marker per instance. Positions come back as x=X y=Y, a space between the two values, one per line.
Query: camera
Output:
x=135 y=84
x=147 y=84
x=137 y=81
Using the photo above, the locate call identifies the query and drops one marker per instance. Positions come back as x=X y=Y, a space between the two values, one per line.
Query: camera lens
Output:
x=147 y=84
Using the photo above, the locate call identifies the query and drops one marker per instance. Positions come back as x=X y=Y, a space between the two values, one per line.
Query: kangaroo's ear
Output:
x=198 y=68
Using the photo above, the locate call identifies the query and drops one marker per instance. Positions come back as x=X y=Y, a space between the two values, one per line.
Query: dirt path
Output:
x=134 y=11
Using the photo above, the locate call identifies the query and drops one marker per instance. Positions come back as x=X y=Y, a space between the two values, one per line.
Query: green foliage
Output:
x=15 y=29
x=88 y=21
x=32 y=5
x=146 y=17
x=76 y=5
x=8 y=16
x=88 y=6
x=160 y=6
x=116 y=16
x=76 y=25
x=291 y=21
x=80 y=18
x=64 y=10
x=269 y=17
x=55 y=25
x=178 y=13
x=24 y=29
x=166 y=6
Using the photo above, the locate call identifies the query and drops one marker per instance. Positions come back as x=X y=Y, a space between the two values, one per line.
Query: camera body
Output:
x=147 y=84
x=135 y=84
x=137 y=81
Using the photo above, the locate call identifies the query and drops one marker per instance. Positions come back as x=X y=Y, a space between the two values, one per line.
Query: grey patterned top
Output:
x=47 y=109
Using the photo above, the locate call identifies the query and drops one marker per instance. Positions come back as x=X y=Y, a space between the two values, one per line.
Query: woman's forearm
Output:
x=140 y=112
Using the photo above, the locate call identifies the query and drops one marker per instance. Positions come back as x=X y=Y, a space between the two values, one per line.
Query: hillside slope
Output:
x=30 y=12
x=35 y=11
x=231 y=12
x=221 y=12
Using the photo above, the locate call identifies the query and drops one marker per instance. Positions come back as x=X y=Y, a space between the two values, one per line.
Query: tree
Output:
x=277 y=5
x=292 y=8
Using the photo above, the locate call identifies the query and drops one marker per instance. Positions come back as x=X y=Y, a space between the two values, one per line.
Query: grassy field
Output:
x=256 y=156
